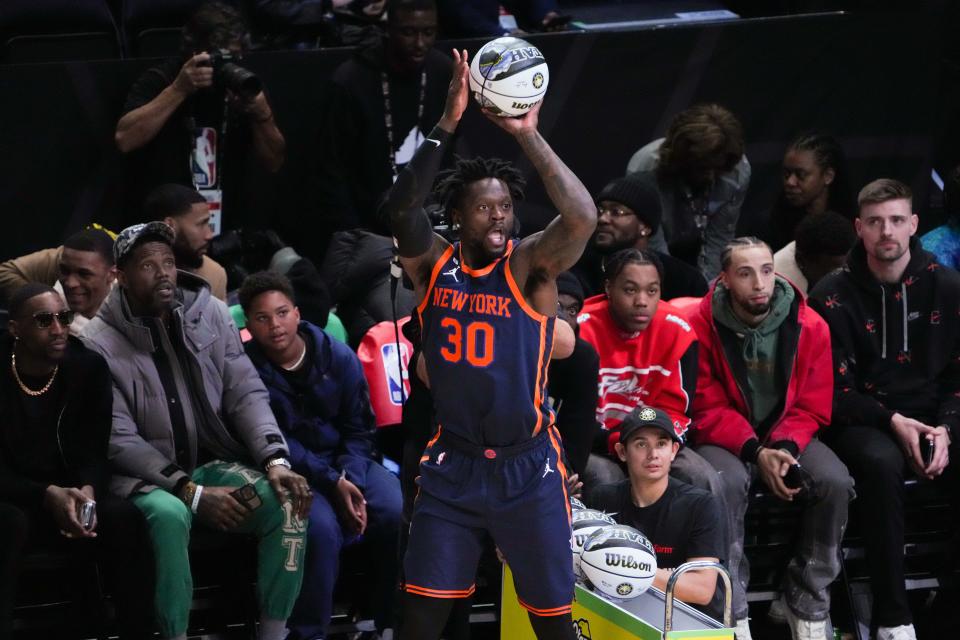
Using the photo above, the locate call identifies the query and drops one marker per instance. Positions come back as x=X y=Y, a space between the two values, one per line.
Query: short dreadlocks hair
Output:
x=452 y=183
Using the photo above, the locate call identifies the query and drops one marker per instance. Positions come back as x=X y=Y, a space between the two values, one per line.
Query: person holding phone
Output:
x=764 y=390
x=893 y=312
x=55 y=408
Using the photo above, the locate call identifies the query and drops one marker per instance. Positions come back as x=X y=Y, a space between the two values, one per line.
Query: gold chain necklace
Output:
x=27 y=390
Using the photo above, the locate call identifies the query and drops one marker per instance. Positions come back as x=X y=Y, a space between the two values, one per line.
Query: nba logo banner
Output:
x=386 y=369
x=203 y=160
x=397 y=376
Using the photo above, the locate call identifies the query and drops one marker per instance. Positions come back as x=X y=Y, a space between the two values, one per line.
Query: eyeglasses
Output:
x=614 y=212
x=45 y=318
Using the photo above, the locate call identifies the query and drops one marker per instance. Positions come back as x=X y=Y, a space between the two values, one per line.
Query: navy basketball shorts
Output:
x=518 y=495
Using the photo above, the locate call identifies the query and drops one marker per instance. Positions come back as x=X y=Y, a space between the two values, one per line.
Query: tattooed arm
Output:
x=558 y=247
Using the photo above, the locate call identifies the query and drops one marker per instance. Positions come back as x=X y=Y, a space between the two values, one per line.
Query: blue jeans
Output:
x=325 y=539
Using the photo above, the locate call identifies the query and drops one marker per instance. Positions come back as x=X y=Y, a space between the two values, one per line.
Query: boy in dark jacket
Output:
x=893 y=315
x=764 y=390
x=321 y=402
x=55 y=405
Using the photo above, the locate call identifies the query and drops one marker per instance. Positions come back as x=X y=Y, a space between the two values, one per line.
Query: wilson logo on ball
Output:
x=627 y=562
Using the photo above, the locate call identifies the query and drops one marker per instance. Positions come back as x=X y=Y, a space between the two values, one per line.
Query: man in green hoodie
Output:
x=764 y=389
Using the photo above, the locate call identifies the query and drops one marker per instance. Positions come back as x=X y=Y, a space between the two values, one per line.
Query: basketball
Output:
x=619 y=562
x=585 y=522
x=508 y=76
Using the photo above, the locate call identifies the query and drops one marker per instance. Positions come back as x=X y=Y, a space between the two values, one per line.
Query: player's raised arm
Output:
x=418 y=245
x=560 y=245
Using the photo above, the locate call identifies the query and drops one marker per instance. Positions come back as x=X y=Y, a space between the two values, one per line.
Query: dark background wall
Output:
x=872 y=80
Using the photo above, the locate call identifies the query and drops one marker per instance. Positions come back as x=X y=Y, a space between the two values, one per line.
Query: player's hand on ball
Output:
x=458 y=94
x=518 y=125
x=353 y=505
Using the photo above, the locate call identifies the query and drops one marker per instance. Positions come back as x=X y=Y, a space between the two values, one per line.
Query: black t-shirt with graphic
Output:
x=167 y=157
x=684 y=523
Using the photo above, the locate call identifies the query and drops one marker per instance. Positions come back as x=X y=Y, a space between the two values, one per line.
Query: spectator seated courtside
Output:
x=629 y=215
x=322 y=404
x=684 y=523
x=648 y=355
x=81 y=271
x=764 y=392
x=193 y=438
x=893 y=312
x=187 y=212
x=55 y=407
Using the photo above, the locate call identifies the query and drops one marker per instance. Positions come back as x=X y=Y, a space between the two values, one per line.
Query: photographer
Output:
x=178 y=115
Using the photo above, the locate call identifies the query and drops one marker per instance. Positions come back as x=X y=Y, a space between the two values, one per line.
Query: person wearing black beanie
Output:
x=629 y=214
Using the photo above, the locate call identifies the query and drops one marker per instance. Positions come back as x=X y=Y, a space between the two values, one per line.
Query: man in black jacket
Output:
x=893 y=316
x=55 y=407
x=382 y=102
x=629 y=214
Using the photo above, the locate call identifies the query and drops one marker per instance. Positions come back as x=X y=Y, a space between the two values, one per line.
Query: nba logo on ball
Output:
x=508 y=76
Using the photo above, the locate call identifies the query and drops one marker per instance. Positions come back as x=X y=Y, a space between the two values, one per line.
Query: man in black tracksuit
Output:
x=894 y=316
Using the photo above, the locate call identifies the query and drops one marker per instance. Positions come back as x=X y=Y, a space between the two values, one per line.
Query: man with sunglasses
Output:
x=55 y=408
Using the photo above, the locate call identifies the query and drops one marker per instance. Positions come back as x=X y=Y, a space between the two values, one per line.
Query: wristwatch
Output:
x=279 y=461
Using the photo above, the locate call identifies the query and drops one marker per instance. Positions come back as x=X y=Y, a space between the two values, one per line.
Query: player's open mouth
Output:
x=496 y=237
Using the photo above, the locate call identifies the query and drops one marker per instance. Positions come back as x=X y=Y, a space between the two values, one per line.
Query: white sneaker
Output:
x=802 y=629
x=742 y=630
x=777 y=613
x=903 y=632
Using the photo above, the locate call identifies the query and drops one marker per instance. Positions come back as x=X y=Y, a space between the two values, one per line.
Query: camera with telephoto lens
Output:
x=227 y=73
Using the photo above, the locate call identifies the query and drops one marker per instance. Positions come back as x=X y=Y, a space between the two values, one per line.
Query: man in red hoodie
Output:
x=765 y=388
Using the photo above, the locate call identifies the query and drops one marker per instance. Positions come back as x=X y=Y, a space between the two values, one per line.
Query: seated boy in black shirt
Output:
x=682 y=522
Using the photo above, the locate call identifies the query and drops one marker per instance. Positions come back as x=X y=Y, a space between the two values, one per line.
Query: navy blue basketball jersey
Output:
x=487 y=352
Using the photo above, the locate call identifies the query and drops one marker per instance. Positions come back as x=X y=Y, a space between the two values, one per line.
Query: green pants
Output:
x=280 y=549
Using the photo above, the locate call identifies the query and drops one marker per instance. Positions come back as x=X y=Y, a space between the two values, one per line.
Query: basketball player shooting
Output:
x=487 y=306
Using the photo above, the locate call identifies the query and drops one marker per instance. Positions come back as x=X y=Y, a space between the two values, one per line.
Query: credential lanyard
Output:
x=388 y=114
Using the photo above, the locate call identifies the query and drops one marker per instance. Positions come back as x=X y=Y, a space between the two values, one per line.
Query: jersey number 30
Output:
x=476 y=343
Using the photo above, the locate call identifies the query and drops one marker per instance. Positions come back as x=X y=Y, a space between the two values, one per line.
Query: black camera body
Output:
x=230 y=75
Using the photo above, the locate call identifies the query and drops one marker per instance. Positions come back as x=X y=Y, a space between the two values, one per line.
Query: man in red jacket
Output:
x=648 y=355
x=765 y=387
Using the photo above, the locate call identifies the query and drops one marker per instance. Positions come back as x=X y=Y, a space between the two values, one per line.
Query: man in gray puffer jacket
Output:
x=193 y=433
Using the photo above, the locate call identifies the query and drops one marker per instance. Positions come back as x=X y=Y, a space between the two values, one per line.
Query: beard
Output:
x=889 y=254
x=186 y=257
x=752 y=308
x=755 y=309
x=614 y=246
